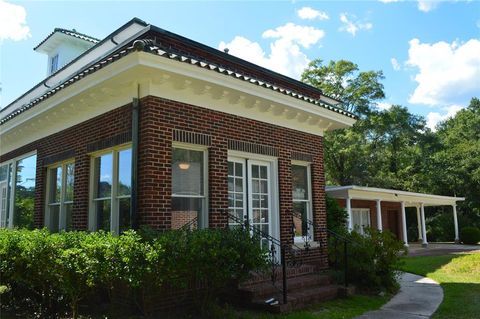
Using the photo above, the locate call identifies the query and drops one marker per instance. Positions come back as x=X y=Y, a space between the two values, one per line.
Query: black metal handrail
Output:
x=276 y=244
x=337 y=237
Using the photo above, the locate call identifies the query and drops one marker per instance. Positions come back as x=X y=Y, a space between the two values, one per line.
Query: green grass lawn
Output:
x=459 y=276
x=336 y=309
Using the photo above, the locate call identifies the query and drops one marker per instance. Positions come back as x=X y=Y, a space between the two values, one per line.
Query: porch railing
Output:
x=344 y=243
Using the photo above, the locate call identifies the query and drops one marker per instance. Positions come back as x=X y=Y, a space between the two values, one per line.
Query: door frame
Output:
x=274 y=224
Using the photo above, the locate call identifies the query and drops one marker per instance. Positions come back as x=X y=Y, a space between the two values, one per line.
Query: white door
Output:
x=250 y=194
x=3 y=204
x=259 y=198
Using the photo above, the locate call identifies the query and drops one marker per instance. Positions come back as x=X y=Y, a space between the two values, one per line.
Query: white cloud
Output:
x=447 y=73
x=396 y=66
x=353 y=25
x=427 y=5
x=286 y=55
x=433 y=118
x=384 y=106
x=13 y=24
x=307 y=13
x=422 y=5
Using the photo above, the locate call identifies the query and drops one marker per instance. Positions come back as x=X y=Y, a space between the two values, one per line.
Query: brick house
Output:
x=146 y=127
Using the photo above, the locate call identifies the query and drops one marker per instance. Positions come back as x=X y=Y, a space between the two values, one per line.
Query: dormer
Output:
x=62 y=46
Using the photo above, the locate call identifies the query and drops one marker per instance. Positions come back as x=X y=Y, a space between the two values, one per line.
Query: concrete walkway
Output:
x=418 y=298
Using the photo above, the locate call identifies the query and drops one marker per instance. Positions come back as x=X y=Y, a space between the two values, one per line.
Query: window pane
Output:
x=25 y=192
x=187 y=172
x=299 y=182
x=103 y=171
x=103 y=214
x=54 y=217
x=125 y=172
x=55 y=185
x=124 y=214
x=3 y=172
x=300 y=210
x=70 y=171
x=186 y=212
x=68 y=213
x=4 y=194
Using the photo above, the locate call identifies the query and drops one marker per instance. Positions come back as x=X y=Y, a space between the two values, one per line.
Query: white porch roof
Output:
x=410 y=199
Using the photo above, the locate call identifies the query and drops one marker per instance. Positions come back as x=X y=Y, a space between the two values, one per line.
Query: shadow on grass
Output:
x=458 y=275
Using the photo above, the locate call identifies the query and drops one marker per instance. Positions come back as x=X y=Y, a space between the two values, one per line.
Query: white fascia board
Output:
x=67 y=93
x=193 y=71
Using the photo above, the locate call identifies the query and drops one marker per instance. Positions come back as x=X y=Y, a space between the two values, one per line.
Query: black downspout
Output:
x=133 y=197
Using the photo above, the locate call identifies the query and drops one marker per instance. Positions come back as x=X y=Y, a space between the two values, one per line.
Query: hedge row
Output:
x=46 y=270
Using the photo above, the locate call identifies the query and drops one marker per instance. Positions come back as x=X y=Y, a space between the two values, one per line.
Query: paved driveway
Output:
x=436 y=249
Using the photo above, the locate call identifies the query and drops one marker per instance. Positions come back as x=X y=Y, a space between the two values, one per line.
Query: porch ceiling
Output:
x=411 y=199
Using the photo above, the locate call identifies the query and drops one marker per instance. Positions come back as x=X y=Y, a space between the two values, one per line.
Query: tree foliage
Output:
x=394 y=148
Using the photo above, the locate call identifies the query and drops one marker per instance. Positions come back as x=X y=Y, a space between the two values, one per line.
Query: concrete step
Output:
x=267 y=289
x=299 y=299
x=256 y=278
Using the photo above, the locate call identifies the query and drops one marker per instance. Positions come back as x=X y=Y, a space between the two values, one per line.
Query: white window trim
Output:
x=114 y=213
x=206 y=172
x=275 y=198
x=14 y=162
x=361 y=210
x=299 y=239
x=62 y=213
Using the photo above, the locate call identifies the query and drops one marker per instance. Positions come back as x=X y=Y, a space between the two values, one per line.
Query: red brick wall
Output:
x=158 y=118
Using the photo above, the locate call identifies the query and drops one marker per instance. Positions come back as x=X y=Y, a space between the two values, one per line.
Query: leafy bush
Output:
x=373 y=260
x=470 y=235
x=336 y=216
x=43 y=271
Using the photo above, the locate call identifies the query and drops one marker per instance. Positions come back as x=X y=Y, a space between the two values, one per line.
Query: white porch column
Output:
x=419 y=224
x=379 y=215
x=455 y=223
x=349 y=212
x=424 y=230
x=404 y=224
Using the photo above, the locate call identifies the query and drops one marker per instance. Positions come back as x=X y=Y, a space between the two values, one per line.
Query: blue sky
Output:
x=429 y=51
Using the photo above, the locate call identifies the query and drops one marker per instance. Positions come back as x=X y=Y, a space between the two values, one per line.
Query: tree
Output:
x=346 y=151
x=358 y=90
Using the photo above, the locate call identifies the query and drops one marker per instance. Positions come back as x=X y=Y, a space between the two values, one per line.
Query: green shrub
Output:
x=470 y=235
x=44 y=272
x=374 y=260
x=336 y=216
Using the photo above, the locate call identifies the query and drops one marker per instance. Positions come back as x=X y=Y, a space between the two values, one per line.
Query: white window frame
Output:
x=62 y=225
x=13 y=179
x=201 y=148
x=114 y=198
x=357 y=227
x=310 y=235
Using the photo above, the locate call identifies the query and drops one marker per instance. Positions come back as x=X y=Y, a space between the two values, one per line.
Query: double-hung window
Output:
x=189 y=187
x=59 y=204
x=111 y=190
x=302 y=201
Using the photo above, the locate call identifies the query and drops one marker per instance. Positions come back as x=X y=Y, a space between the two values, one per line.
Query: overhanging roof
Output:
x=167 y=51
x=390 y=195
